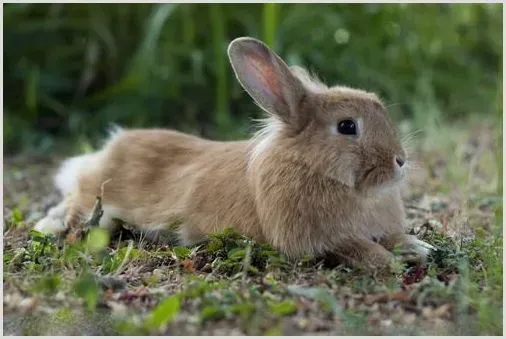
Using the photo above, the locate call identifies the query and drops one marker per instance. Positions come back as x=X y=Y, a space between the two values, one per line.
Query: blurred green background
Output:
x=70 y=70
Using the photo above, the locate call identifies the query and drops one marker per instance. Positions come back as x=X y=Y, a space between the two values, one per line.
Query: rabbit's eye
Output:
x=347 y=127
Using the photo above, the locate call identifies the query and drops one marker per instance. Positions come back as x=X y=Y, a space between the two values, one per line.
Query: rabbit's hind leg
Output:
x=85 y=208
x=54 y=221
x=61 y=220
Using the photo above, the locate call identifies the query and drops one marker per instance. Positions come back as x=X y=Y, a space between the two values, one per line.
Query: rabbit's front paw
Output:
x=414 y=250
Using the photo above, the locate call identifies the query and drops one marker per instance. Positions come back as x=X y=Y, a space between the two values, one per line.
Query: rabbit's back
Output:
x=135 y=165
x=152 y=178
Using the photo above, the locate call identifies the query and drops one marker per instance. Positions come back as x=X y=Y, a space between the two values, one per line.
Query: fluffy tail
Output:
x=66 y=179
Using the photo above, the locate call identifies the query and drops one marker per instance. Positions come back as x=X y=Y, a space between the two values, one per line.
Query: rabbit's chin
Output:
x=383 y=188
x=383 y=184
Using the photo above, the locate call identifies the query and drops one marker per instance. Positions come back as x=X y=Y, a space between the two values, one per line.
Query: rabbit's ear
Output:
x=267 y=79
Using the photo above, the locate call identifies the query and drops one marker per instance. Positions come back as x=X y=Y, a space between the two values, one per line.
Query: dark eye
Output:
x=347 y=127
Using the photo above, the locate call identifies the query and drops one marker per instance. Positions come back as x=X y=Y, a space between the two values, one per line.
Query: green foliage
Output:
x=323 y=296
x=234 y=251
x=499 y=148
x=113 y=260
x=97 y=240
x=17 y=216
x=232 y=300
x=64 y=315
x=479 y=286
x=212 y=312
x=197 y=287
x=486 y=277
x=260 y=307
x=181 y=252
x=88 y=289
x=285 y=307
x=40 y=253
x=49 y=284
x=163 y=313
x=72 y=69
x=221 y=242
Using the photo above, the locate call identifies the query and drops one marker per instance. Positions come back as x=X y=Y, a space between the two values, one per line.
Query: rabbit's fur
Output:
x=299 y=184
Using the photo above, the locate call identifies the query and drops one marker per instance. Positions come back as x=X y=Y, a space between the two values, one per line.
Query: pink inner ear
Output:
x=263 y=73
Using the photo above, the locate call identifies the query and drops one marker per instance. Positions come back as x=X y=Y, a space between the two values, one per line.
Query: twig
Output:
x=96 y=214
x=417 y=208
x=97 y=211
x=102 y=187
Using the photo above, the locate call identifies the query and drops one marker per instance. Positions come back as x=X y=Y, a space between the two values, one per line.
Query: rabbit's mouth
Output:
x=379 y=177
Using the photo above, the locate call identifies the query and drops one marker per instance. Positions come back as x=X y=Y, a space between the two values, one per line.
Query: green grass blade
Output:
x=270 y=23
x=218 y=19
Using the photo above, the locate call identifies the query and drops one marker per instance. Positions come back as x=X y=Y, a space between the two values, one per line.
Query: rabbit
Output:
x=322 y=175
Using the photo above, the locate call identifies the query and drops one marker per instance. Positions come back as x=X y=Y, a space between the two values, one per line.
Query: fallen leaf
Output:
x=188 y=265
x=413 y=276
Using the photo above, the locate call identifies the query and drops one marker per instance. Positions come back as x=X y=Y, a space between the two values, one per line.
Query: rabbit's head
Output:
x=343 y=133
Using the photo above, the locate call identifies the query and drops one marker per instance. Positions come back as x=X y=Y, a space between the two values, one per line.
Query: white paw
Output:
x=416 y=250
x=423 y=247
x=50 y=225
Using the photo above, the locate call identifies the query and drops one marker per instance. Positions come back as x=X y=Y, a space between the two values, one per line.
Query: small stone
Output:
x=374 y=319
x=386 y=323
x=302 y=322
x=117 y=308
x=427 y=312
x=398 y=316
x=60 y=296
x=409 y=319
x=374 y=307
x=28 y=305
x=440 y=323
x=441 y=311
x=351 y=303
x=12 y=299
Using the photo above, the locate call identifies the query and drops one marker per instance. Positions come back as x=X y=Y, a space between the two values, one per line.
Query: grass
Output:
x=121 y=284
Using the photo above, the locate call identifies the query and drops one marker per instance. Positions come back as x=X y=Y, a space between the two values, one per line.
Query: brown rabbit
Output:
x=321 y=177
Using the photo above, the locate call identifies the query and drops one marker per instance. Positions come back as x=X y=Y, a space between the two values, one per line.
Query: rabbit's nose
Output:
x=399 y=161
